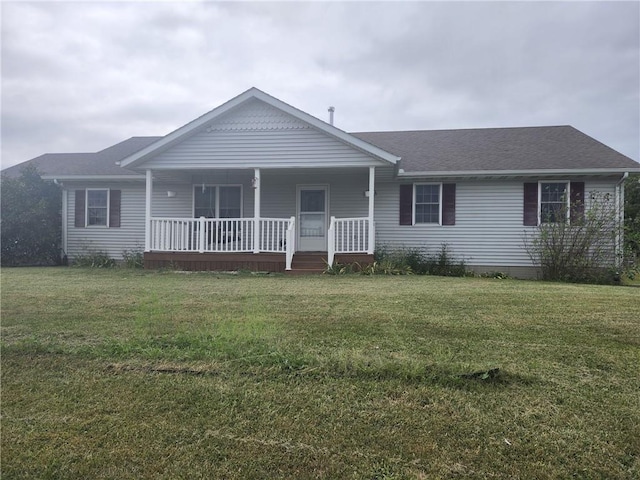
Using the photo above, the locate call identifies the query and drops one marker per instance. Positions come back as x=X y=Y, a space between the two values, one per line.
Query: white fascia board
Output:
x=271 y=166
x=93 y=177
x=202 y=121
x=512 y=173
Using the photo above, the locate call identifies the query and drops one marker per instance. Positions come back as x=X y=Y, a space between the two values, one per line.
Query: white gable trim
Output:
x=183 y=132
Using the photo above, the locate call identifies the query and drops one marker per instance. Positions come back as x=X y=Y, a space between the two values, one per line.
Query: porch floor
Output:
x=303 y=262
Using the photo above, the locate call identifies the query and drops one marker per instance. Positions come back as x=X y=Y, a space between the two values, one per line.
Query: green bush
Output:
x=577 y=251
x=403 y=261
x=133 y=259
x=94 y=260
x=445 y=264
x=338 y=269
x=30 y=218
x=495 y=274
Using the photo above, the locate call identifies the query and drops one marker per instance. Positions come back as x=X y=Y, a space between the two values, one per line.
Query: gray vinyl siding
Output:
x=259 y=135
x=488 y=229
x=267 y=148
x=181 y=206
x=346 y=192
x=113 y=241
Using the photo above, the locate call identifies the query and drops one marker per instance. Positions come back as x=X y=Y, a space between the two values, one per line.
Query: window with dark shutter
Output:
x=406 y=204
x=114 y=208
x=80 y=208
x=96 y=211
x=577 y=202
x=448 y=204
x=530 y=214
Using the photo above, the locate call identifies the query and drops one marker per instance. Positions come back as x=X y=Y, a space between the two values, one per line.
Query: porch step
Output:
x=308 y=263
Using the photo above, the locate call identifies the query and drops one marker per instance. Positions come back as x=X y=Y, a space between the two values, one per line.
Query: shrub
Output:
x=412 y=260
x=580 y=251
x=133 y=259
x=385 y=267
x=94 y=260
x=445 y=264
x=495 y=274
x=338 y=269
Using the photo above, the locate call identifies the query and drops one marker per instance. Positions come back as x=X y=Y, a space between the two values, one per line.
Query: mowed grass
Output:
x=130 y=374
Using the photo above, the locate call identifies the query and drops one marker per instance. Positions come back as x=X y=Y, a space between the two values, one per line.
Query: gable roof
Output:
x=196 y=125
x=499 y=150
x=488 y=151
x=88 y=165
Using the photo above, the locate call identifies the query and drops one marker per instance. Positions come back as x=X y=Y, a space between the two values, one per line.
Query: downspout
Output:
x=619 y=246
x=64 y=215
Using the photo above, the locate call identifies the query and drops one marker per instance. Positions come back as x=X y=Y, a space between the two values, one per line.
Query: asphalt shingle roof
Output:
x=487 y=149
x=492 y=149
x=99 y=163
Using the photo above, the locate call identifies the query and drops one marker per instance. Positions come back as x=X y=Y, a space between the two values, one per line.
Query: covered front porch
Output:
x=219 y=235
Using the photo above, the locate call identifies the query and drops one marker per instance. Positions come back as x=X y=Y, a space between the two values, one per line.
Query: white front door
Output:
x=312 y=218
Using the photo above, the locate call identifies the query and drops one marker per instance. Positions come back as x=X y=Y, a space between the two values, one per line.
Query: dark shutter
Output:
x=114 y=208
x=79 y=210
x=530 y=216
x=577 y=202
x=448 y=204
x=406 y=204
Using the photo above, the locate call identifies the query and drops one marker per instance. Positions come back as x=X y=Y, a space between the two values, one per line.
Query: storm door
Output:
x=312 y=218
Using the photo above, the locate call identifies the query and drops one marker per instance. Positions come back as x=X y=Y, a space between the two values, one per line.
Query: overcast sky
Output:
x=80 y=76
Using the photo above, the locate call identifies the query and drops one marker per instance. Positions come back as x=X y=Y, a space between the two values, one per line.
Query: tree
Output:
x=30 y=220
x=577 y=251
x=632 y=214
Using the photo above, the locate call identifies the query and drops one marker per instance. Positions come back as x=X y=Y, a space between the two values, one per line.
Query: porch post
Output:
x=147 y=215
x=372 y=195
x=256 y=210
x=65 y=213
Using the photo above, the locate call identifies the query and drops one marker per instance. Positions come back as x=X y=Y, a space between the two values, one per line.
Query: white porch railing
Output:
x=213 y=235
x=273 y=234
x=349 y=235
x=291 y=242
x=237 y=235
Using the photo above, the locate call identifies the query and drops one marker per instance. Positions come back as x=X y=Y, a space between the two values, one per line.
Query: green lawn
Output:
x=130 y=374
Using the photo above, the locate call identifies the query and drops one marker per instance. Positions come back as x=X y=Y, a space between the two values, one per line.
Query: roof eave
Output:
x=93 y=177
x=518 y=173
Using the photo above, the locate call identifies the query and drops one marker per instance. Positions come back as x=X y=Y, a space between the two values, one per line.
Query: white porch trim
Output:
x=147 y=214
x=372 y=196
x=257 y=188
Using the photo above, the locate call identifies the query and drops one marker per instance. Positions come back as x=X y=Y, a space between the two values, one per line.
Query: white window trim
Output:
x=86 y=207
x=413 y=220
x=217 y=187
x=568 y=199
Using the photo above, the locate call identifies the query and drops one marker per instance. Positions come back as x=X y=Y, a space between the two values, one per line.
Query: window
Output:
x=97 y=207
x=230 y=202
x=427 y=203
x=213 y=201
x=554 y=202
x=548 y=202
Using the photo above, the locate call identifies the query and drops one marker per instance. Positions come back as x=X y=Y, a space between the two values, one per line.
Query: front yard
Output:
x=131 y=374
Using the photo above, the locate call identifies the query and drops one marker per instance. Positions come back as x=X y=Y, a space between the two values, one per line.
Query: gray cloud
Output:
x=82 y=76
